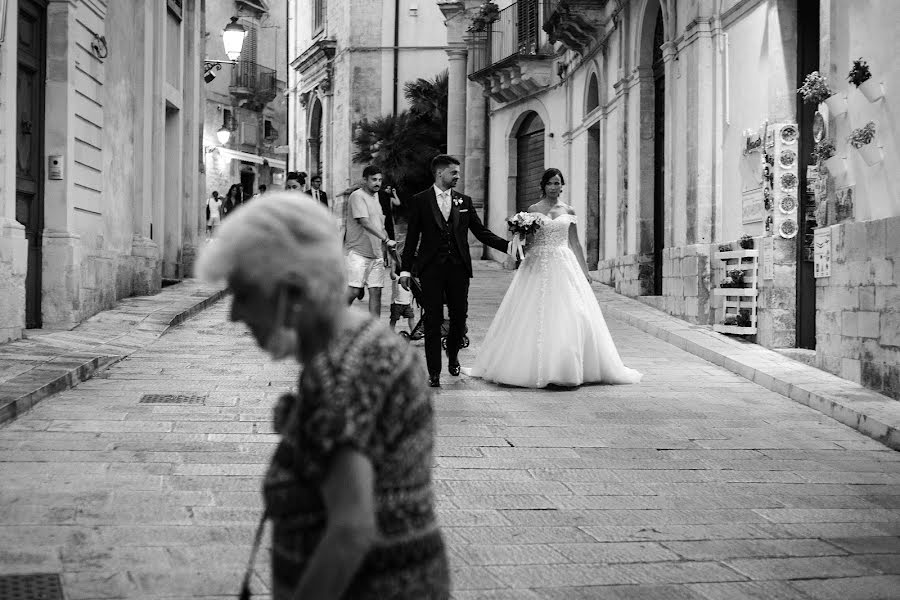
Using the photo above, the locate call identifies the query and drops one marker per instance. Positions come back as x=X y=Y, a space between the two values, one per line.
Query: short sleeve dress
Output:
x=367 y=392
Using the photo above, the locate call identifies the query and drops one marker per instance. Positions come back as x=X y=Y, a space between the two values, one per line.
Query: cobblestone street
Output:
x=695 y=484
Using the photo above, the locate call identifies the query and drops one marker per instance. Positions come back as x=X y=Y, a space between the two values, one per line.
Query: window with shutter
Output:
x=528 y=26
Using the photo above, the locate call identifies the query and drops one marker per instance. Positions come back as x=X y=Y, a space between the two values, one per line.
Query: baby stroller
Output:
x=418 y=331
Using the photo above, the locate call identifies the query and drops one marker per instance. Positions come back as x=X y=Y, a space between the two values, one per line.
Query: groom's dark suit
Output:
x=444 y=266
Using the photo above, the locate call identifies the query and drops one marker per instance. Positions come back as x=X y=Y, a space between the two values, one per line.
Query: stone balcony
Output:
x=512 y=58
x=573 y=23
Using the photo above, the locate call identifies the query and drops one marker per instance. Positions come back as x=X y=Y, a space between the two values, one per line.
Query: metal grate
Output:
x=38 y=586
x=172 y=399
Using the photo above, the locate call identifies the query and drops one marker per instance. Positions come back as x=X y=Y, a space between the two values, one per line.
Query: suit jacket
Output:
x=426 y=224
x=323 y=197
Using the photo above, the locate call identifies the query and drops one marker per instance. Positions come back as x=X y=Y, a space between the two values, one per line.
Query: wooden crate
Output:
x=736 y=299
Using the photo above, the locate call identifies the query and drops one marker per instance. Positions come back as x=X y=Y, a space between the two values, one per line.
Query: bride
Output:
x=549 y=328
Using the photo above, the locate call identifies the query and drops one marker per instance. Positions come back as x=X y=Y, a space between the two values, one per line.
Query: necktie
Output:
x=445 y=205
x=316 y=195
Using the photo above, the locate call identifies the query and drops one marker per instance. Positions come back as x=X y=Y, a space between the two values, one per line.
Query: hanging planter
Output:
x=872 y=90
x=861 y=139
x=837 y=104
x=861 y=76
x=871 y=154
x=836 y=166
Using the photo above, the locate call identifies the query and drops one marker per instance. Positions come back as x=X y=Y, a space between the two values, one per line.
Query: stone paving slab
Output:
x=46 y=363
x=873 y=414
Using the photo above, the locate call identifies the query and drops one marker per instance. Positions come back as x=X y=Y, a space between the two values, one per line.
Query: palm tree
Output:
x=428 y=98
x=403 y=144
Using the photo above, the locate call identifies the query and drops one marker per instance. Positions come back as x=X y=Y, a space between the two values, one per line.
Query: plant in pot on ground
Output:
x=861 y=139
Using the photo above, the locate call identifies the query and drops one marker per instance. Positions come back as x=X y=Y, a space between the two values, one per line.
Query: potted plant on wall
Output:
x=861 y=139
x=487 y=13
x=746 y=241
x=861 y=77
x=815 y=91
x=825 y=153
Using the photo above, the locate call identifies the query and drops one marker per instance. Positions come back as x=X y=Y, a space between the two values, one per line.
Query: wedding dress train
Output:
x=549 y=328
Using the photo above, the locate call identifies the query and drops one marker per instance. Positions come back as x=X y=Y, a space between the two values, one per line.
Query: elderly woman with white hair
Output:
x=349 y=489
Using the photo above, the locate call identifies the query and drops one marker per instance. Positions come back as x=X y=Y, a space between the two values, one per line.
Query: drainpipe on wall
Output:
x=396 y=54
x=485 y=253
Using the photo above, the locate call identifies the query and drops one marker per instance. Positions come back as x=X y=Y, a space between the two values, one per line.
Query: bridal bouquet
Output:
x=521 y=224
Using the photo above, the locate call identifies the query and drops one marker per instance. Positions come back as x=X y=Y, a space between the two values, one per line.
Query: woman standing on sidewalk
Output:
x=349 y=489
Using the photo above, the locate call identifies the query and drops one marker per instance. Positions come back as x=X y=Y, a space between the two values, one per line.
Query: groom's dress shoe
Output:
x=434 y=381
x=454 y=369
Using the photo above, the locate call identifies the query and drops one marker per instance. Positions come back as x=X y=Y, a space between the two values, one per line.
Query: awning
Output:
x=252 y=158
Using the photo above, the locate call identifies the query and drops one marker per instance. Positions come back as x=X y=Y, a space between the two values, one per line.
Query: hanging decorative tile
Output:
x=787 y=204
x=789 y=134
x=788 y=157
x=788 y=182
x=788 y=228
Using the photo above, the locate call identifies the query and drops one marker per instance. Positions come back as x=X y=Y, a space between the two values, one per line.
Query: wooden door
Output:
x=30 y=146
x=529 y=161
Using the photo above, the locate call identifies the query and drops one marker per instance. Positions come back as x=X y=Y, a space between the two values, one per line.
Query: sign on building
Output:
x=822 y=252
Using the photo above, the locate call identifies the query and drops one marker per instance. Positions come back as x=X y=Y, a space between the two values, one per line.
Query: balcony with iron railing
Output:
x=253 y=86
x=512 y=55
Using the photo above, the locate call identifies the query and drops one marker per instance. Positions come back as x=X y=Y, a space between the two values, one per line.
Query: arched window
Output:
x=593 y=95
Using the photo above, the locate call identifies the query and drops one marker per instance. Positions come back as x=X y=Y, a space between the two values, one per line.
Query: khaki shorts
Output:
x=364 y=272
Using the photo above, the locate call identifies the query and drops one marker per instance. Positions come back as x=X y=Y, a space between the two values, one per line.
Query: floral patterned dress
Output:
x=367 y=392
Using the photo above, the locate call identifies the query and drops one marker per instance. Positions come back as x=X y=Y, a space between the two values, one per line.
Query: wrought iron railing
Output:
x=517 y=32
x=255 y=81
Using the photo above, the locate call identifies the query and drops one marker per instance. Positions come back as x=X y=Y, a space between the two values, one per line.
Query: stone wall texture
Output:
x=858 y=316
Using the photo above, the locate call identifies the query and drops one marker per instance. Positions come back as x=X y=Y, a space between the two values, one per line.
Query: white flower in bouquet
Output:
x=521 y=224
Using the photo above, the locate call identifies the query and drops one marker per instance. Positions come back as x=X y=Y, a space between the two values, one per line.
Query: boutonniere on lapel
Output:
x=457 y=200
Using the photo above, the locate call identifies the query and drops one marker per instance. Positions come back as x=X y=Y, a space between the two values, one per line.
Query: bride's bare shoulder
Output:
x=569 y=210
x=535 y=208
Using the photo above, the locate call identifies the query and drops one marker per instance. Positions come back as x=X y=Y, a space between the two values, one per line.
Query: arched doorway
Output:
x=314 y=140
x=659 y=155
x=594 y=209
x=529 y=161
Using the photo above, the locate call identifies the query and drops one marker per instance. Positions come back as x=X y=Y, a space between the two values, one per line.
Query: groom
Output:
x=442 y=217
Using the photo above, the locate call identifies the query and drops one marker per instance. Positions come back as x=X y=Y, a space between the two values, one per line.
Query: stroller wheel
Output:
x=404 y=335
x=465 y=342
x=444 y=342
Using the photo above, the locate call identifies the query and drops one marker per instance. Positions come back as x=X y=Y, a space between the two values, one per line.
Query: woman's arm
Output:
x=575 y=245
x=348 y=492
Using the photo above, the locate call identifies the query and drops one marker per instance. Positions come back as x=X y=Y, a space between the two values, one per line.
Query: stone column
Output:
x=145 y=271
x=476 y=133
x=456 y=106
x=13 y=245
x=61 y=246
x=702 y=113
x=193 y=209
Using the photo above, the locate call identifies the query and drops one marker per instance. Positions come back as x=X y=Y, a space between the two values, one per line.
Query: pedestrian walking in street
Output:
x=213 y=213
x=316 y=190
x=233 y=199
x=366 y=240
x=348 y=490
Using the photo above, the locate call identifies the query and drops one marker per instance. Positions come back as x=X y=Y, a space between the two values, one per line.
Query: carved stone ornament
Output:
x=304 y=99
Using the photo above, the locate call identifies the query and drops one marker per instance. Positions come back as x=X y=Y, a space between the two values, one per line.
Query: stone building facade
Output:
x=679 y=129
x=349 y=60
x=248 y=98
x=100 y=120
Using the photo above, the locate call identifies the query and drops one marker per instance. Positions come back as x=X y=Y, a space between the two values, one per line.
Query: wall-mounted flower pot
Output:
x=872 y=90
x=871 y=154
x=837 y=104
x=836 y=166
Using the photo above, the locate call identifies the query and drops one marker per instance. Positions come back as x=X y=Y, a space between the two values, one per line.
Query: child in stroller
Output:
x=418 y=331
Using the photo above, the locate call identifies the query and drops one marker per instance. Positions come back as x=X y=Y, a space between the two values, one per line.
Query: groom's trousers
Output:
x=444 y=280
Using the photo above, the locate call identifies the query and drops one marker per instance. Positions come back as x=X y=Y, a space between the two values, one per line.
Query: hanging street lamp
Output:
x=233 y=39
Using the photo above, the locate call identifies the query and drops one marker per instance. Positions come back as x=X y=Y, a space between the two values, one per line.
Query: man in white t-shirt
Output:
x=366 y=240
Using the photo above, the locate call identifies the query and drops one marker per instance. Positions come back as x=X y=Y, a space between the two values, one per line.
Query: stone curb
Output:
x=872 y=414
x=45 y=380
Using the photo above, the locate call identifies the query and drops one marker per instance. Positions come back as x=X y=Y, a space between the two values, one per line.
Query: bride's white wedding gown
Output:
x=549 y=328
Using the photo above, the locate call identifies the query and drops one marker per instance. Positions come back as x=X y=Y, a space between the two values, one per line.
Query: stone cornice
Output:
x=321 y=51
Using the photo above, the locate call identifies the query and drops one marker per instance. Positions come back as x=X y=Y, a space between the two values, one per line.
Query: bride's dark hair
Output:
x=547 y=176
